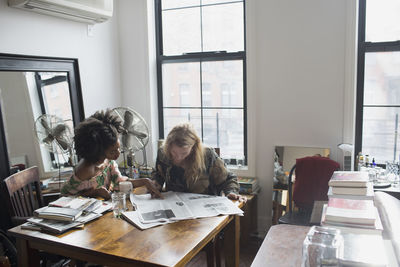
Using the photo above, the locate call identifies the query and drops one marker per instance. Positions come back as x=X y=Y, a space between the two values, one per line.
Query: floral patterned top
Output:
x=215 y=179
x=109 y=177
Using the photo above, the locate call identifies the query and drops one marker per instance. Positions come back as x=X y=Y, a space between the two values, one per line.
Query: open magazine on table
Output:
x=177 y=206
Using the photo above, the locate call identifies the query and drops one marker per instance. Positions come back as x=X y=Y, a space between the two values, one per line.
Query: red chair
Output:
x=311 y=184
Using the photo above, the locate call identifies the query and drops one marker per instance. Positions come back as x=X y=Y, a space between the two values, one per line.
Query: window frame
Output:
x=198 y=57
x=364 y=48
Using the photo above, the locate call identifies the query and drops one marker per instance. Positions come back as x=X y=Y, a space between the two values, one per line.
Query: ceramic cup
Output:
x=125 y=187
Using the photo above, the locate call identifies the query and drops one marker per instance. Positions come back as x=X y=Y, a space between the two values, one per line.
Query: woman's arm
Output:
x=97 y=192
x=158 y=174
x=225 y=181
x=154 y=191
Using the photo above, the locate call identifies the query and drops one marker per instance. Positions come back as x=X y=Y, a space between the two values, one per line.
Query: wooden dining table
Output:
x=112 y=241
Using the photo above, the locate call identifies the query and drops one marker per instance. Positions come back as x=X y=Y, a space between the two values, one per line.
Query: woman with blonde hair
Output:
x=185 y=165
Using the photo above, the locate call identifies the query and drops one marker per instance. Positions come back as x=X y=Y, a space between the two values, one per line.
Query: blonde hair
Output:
x=184 y=135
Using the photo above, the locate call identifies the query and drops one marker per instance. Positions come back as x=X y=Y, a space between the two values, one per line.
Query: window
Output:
x=378 y=80
x=201 y=71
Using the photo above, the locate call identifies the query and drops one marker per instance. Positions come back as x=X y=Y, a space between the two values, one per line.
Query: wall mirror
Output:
x=284 y=159
x=29 y=87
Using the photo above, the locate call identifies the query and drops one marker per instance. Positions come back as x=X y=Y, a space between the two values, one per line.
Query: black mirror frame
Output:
x=13 y=62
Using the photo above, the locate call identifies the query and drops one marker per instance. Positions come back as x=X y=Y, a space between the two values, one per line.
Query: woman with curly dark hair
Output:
x=97 y=144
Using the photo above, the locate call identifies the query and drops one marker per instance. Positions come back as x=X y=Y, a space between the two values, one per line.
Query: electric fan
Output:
x=56 y=136
x=134 y=137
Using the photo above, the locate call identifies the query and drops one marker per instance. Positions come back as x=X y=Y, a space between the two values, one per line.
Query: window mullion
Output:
x=201 y=100
x=382 y=46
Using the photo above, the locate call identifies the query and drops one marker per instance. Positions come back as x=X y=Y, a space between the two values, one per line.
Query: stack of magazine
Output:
x=66 y=213
x=177 y=206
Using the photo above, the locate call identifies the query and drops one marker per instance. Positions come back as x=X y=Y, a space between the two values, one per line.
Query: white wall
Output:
x=300 y=78
x=300 y=63
x=138 y=73
x=30 y=33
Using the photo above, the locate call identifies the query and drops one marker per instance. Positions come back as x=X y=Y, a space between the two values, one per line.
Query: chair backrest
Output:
x=312 y=177
x=23 y=194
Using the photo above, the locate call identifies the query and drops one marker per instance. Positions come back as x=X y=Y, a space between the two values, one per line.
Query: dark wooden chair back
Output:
x=23 y=194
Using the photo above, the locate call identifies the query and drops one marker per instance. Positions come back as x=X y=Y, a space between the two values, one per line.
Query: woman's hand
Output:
x=150 y=185
x=98 y=192
x=103 y=192
x=154 y=188
x=234 y=196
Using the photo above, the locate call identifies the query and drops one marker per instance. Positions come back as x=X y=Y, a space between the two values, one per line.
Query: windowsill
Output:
x=240 y=171
x=235 y=167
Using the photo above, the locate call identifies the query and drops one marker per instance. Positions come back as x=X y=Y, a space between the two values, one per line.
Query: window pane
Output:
x=223 y=128
x=223 y=27
x=181 y=84
x=382 y=78
x=382 y=20
x=208 y=2
x=176 y=116
x=181 y=31
x=56 y=97
x=222 y=83
x=379 y=130
x=166 y=4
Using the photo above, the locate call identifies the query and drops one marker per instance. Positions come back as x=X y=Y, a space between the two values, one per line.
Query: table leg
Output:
x=232 y=242
x=26 y=255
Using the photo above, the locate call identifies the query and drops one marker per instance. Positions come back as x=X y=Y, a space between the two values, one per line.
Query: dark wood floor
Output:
x=247 y=254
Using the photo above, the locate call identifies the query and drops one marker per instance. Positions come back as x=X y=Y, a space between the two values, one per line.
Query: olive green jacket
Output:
x=213 y=181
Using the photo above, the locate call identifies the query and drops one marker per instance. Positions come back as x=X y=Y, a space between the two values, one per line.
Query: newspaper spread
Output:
x=133 y=218
x=178 y=206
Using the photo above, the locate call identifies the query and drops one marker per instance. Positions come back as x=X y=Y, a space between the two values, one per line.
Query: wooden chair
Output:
x=23 y=195
x=312 y=177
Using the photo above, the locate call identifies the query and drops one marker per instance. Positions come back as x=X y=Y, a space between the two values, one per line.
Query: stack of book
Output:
x=350 y=185
x=55 y=183
x=352 y=216
x=66 y=213
x=248 y=185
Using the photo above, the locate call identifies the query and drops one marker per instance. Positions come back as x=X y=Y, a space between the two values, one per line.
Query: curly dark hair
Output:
x=95 y=134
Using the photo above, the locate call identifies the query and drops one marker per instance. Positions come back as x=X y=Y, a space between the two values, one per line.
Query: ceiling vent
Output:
x=89 y=11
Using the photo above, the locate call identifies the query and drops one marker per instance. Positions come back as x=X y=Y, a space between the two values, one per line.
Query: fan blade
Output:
x=127 y=140
x=44 y=124
x=59 y=130
x=64 y=144
x=47 y=140
x=128 y=119
x=138 y=134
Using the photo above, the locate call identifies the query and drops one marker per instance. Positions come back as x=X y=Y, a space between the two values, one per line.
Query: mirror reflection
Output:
x=284 y=159
x=36 y=93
